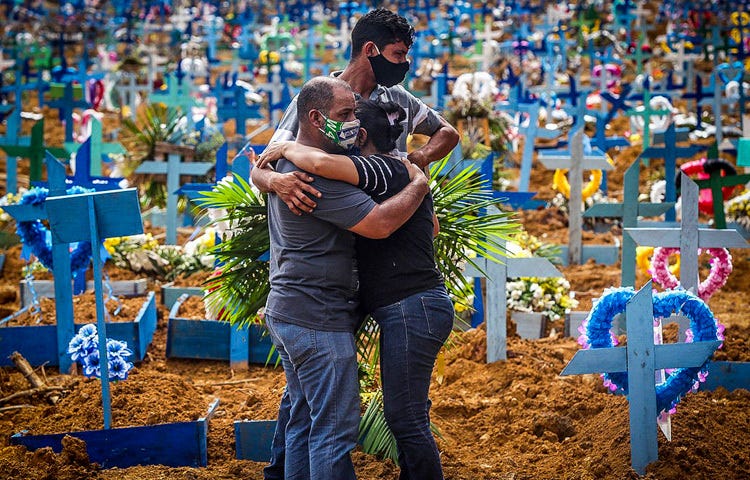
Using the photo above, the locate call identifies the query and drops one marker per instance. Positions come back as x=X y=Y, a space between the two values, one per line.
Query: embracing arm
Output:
x=440 y=144
x=292 y=188
x=389 y=216
x=313 y=160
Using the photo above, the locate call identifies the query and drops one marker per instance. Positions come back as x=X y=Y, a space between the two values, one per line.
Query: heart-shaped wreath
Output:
x=721 y=267
x=595 y=333
x=35 y=235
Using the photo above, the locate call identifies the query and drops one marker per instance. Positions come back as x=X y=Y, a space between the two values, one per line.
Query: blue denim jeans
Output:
x=412 y=331
x=323 y=391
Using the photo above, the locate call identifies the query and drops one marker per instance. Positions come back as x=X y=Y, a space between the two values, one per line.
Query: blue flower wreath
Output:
x=596 y=334
x=35 y=235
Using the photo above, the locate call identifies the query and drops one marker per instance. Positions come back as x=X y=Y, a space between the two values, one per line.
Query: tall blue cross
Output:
x=94 y=217
x=66 y=105
x=641 y=359
x=577 y=159
x=670 y=152
x=689 y=237
x=497 y=271
x=60 y=261
x=232 y=104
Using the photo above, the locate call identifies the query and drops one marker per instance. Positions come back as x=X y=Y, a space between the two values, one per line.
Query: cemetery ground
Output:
x=516 y=419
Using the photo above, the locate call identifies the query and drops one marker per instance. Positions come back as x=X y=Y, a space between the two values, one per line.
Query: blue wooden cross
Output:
x=173 y=168
x=34 y=151
x=83 y=177
x=178 y=95
x=60 y=260
x=617 y=103
x=530 y=132
x=497 y=271
x=689 y=237
x=629 y=211
x=193 y=190
x=232 y=104
x=100 y=150
x=722 y=75
x=12 y=135
x=66 y=105
x=641 y=359
x=94 y=217
x=670 y=152
x=575 y=160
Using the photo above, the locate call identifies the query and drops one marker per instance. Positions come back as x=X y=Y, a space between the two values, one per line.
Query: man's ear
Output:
x=315 y=118
x=370 y=49
x=361 y=138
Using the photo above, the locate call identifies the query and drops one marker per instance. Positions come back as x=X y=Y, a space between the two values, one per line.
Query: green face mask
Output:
x=343 y=134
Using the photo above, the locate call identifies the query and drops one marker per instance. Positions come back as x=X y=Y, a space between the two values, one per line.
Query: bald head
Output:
x=320 y=93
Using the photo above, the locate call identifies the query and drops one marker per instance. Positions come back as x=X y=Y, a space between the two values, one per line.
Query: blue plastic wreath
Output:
x=36 y=236
x=596 y=334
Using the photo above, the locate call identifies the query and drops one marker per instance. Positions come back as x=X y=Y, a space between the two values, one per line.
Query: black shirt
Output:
x=403 y=264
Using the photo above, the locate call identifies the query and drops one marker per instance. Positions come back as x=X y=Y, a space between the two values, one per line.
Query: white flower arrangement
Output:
x=143 y=254
x=550 y=296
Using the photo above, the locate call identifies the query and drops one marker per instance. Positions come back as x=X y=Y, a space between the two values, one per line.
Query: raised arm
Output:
x=311 y=159
x=389 y=216
x=440 y=144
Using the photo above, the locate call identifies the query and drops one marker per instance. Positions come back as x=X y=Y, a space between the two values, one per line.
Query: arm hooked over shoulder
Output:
x=389 y=216
x=441 y=143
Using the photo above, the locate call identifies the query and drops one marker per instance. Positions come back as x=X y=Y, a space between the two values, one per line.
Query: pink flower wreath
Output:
x=721 y=267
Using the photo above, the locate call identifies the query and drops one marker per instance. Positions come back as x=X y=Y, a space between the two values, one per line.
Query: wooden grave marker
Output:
x=670 y=152
x=689 y=237
x=629 y=211
x=35 y=151
x=641 y=359
x=497 y=271
x=94 y=217
x=575 y=161
x=177 y=164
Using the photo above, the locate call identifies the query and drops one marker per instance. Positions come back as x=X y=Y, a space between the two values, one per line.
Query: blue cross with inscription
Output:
x=670 y=152
x=640 y=358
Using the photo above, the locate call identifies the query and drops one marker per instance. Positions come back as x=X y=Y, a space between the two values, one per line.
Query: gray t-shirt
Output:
x=419 y=117
x=312 y=267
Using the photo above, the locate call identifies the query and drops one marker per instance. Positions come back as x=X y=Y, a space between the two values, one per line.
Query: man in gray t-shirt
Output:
x=310 y=312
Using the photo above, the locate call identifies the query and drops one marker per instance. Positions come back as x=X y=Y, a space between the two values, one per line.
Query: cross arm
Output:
x=683 y=355
x=597 y=360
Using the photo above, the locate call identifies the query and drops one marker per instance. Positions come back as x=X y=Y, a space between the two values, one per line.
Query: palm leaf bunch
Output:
x=240 y=288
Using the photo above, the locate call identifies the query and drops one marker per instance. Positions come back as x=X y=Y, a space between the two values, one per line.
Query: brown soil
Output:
x=516 y=419
x=84 y=310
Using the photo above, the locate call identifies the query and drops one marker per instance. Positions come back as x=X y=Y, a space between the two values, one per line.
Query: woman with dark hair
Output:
x=400 y=285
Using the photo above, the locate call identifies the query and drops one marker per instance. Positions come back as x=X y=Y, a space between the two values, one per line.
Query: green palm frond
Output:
x=470 y=223
x=242 y=286
x=157 y=124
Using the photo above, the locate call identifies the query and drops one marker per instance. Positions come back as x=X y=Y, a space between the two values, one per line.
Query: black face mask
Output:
x=386 y=72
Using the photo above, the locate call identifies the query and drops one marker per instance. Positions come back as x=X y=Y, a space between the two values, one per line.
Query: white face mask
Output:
x=343 y=134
